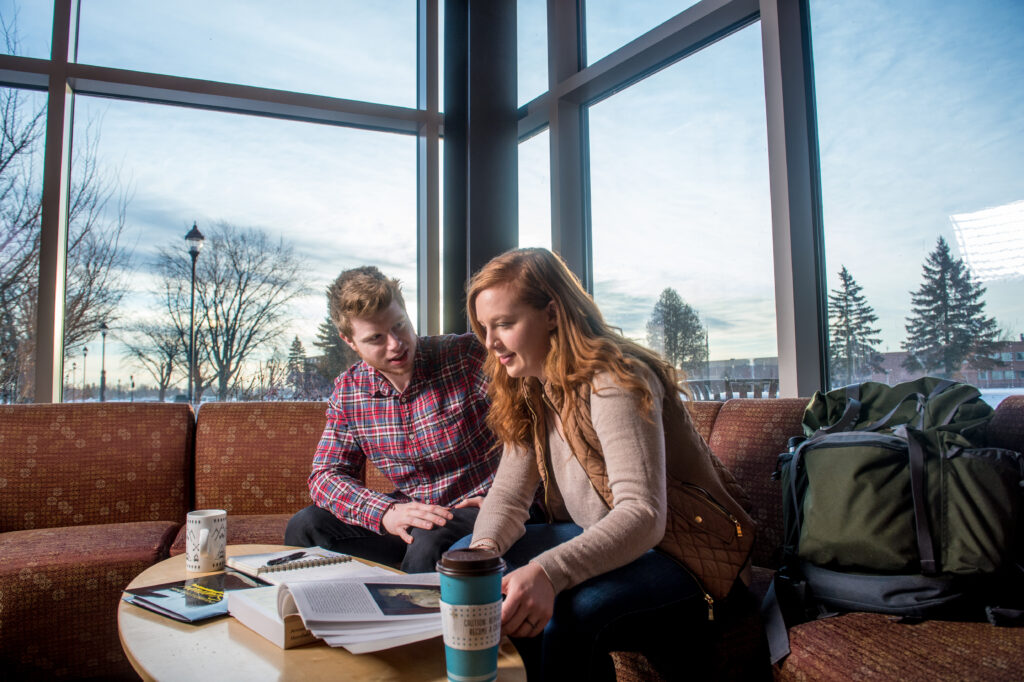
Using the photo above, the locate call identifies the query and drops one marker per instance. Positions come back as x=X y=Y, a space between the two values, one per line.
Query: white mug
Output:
x=206 y=539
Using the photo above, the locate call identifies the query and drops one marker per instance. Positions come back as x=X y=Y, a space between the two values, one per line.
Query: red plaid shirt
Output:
x=430 y=440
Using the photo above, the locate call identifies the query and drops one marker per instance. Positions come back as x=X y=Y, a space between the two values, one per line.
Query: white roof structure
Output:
x=991 y=241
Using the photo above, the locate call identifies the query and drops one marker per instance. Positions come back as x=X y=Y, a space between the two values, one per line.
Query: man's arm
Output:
x=335 y=482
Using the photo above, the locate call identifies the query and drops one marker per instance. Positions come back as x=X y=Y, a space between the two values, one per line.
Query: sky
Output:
x=920 y=118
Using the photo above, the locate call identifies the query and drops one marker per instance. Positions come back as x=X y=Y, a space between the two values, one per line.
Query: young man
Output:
x=413 y=406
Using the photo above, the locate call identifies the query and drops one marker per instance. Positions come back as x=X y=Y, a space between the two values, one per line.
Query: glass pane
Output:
x=283 y=205
x=532 y=48
x=922 y=152
x=682 y=220
x=342 y=48
x=612 y=23
x=535 y=191
x=21 y=162
x=27 y=26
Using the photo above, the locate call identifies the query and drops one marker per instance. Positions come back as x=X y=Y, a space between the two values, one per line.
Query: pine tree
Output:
x=675 y=331
x=853 y=341
x=337 y=356
x=296 y=372
x=948 y=326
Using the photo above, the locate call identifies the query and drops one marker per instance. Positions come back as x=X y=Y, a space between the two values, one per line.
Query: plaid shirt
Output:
x=430 y=440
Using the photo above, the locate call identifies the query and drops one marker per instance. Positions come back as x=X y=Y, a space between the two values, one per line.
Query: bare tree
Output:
x=245 y=284
x=158 y=349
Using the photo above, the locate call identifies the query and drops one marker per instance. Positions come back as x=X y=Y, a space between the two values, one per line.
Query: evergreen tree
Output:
x=337 y=356
x=853 y=341
x=297 y=367
x=675 y=331
x=948 y=326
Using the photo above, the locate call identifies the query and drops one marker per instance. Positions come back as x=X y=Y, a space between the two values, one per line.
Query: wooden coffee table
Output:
x=223 y=649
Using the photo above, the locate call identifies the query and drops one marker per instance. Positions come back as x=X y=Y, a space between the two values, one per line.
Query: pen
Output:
x=286 y=559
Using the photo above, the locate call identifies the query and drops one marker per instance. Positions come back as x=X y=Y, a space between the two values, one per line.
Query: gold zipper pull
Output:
x=711 y=606
x=739 y=528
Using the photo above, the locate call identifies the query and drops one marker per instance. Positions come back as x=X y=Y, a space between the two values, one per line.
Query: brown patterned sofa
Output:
x=747 y=435
x=92 y=494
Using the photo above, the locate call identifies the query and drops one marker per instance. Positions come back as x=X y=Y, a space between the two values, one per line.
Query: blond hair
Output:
x=582 y=343
x=360 y=292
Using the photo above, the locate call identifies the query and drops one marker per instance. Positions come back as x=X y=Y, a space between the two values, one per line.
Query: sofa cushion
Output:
x=246 y=529
x=1006 y=430
x=747 y=435
x=703 y=414
x=95 y=463
x=858 y=646
x=255 y=458
x=59 y=591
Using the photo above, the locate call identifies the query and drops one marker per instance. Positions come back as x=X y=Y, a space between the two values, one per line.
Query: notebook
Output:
x=293 y=565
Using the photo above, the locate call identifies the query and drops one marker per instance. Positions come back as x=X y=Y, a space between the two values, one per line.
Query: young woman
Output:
x=646 y=533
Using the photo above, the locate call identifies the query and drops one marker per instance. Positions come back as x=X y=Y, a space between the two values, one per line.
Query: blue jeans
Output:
x=652 y=606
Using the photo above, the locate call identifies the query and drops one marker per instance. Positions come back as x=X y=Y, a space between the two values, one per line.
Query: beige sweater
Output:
x=634 y=451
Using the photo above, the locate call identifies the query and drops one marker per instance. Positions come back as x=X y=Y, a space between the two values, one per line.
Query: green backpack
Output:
x=892 y=503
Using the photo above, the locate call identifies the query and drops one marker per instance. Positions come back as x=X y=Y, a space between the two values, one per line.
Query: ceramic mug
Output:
x=206 y=540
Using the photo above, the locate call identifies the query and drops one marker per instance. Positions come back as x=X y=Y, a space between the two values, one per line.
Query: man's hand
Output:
x=400 y=517
x=529 y=601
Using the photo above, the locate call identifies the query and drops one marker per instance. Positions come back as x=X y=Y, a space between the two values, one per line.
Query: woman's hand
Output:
x=477 y=502
x=529 y=601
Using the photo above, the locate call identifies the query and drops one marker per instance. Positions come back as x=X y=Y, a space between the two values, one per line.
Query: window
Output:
x=532 y=48
x=921 y=152
x=611 y=23
x=681 y=214
x=21 y=162
x=312 y=200
x=342 y=48
x=27 y=28
x=535 y=192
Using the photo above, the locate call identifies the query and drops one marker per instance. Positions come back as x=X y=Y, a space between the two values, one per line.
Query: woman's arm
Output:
x=506 y=507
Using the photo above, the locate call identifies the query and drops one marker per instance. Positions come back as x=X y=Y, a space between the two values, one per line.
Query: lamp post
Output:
x=74 y=378
x=131 y=393
x=85 y=384
x=194 y=239
x=103 y=362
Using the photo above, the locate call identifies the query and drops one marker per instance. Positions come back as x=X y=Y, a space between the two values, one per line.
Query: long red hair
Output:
x=582 y=344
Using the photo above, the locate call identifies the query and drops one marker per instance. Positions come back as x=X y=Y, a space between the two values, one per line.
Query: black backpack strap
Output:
x=925 y=546
x=774 y=624
x=850 y=414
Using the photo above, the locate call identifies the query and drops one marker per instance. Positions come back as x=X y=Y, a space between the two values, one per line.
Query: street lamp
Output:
x=103 y=362
x=85 y=385
x=74 y=378
x=131 y=393
x=194 y=239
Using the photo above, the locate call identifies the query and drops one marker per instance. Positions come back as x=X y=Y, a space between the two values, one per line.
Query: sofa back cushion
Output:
x=703 y=413
x=1006 y=430
x=748 y=436
x=91 y=463
x=255 y=457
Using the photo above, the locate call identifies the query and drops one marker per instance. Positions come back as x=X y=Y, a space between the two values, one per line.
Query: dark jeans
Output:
x=651 y=605
x=314 y=526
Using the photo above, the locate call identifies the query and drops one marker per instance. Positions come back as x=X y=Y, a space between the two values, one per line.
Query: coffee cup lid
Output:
x=470 y=562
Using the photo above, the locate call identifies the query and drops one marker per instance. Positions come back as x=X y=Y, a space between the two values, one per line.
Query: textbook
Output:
x=191 y=600
x=370 y=613
x=310 y=563
x=257 y=610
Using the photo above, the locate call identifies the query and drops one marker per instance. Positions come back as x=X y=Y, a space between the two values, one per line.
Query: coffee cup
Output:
x=471 y=613
x=206 y=539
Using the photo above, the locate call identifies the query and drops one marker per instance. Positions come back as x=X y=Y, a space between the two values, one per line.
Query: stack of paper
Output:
x=369 y=613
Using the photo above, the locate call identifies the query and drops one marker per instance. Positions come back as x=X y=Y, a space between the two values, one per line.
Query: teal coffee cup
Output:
x=471 y=613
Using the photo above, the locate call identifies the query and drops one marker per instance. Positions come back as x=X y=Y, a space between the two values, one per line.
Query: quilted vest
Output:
x=707 y=529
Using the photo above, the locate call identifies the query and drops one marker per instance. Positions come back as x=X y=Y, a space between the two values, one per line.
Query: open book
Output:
x=311 y=563
x=257 y=610
x=365 y=614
